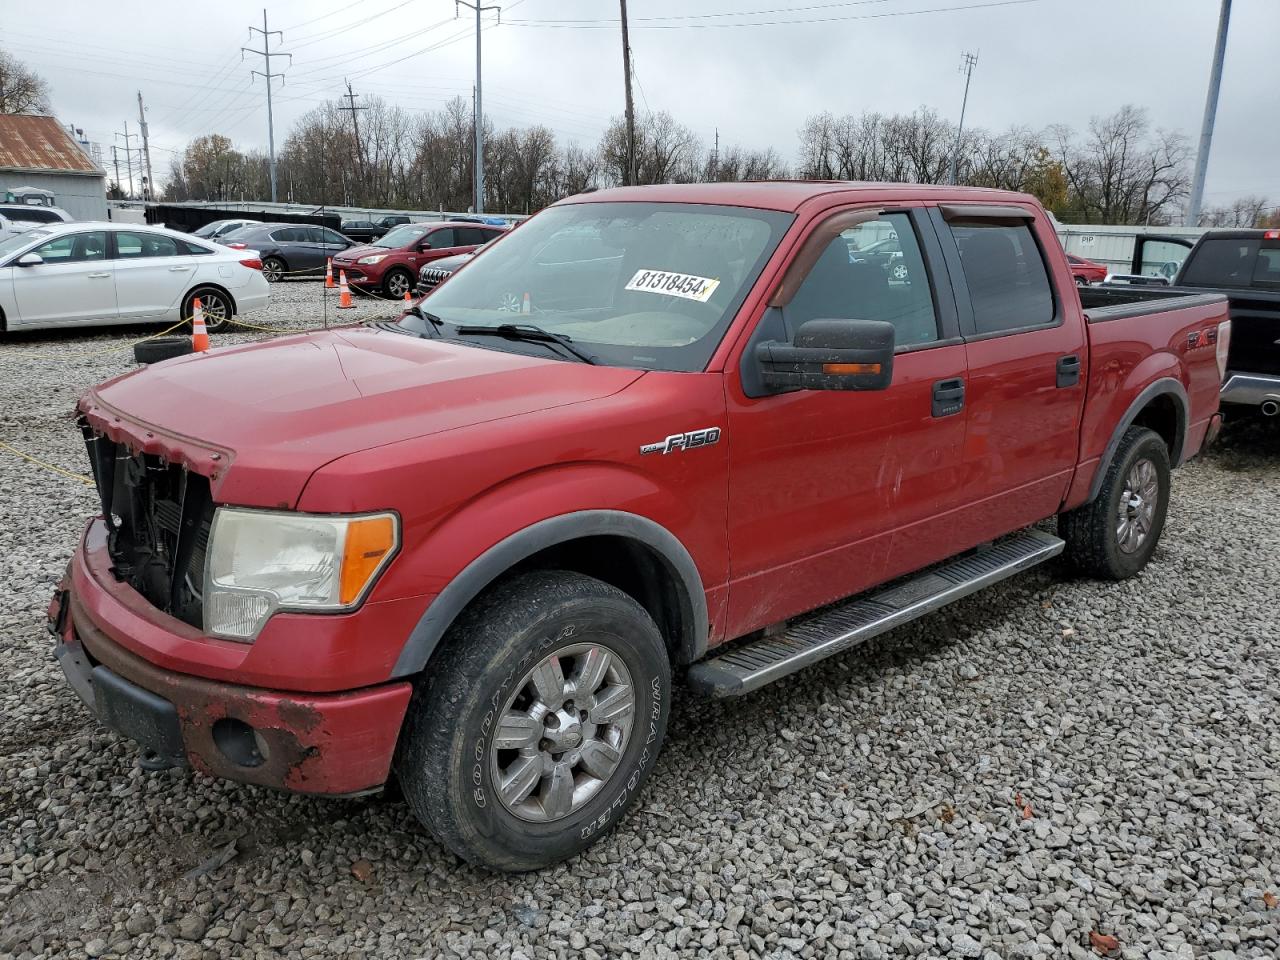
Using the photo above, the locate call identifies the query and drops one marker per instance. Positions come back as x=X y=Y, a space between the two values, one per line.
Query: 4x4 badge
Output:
x=684 y=441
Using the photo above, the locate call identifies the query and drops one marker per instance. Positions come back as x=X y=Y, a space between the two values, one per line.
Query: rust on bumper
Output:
x=332 y=744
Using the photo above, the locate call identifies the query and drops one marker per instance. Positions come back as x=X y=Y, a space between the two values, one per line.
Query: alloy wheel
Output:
x=1137 y=511
x=562 y=734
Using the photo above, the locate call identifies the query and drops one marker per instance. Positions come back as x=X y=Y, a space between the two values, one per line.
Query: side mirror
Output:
x=830 y=355
x=30 y=260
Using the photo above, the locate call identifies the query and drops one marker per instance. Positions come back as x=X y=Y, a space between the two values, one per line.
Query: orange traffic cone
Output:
x=328 y=274
x=199 y=335
x=408 y=298
x=344 y=292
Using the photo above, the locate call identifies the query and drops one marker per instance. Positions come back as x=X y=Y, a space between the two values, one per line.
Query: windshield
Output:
x=20 y=240
x=646 y=285
x=402 y=236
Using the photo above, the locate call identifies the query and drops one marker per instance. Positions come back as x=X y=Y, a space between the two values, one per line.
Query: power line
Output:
x=968 y=62
x=610 y=24
x=267 y=75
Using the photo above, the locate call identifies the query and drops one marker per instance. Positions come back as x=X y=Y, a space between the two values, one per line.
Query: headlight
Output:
x=259 y=562
x=376 y=258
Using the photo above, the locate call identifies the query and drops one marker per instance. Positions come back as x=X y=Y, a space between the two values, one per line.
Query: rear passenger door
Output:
x=440 y=243
x=1027 y=365
x=152 y=273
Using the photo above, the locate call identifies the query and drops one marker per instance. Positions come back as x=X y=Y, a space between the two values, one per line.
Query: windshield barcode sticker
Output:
x=673 y=284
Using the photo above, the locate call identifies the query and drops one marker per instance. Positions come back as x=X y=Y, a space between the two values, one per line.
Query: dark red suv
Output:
x=392 y=261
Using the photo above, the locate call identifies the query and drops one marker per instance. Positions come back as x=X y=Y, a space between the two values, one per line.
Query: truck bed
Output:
x=1115 y=303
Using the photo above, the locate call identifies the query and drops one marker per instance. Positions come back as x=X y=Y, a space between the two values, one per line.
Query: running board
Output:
x=836 y=629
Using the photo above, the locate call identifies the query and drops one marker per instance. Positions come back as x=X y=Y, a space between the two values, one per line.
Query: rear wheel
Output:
x=273 y=268
x=397 y=283
x=536 y=726
x=1114 y=535
x=214 y=305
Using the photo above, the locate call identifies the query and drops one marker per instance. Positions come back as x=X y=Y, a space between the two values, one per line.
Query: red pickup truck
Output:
x=654 y=429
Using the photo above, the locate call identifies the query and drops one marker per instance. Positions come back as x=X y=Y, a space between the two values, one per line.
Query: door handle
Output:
x=98 y=276
x=176 y=267
x=948 y=397
x=1068 y=371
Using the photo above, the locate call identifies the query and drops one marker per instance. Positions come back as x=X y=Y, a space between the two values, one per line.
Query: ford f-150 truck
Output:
x=471 y=548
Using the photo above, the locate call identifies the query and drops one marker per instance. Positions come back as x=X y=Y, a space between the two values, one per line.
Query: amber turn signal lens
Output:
x=367 y=545
x=847 y=368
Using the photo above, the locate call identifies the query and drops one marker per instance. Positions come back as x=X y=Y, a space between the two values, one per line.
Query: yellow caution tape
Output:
x=48 y=466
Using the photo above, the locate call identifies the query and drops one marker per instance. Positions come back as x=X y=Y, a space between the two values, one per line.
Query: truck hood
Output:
x=260 y=419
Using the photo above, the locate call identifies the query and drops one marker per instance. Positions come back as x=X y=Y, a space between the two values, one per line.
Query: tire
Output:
x=1081 y=282
x=1100 y=541
x=397 y=283
x=214 y=304
x=452 y=770
x=273 y=268
x=161 y=348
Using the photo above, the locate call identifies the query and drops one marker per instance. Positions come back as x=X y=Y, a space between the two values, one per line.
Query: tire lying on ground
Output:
x=161 y=348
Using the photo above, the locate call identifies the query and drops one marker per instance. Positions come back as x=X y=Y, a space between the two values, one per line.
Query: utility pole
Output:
x=479 y=121
x=149 y=190
x=629 y=175
x=115 y=159
x=1210 y=114
x=266 y=74
x=128 y=154
x=715 y=158
x=350 y=97
x=970 y=60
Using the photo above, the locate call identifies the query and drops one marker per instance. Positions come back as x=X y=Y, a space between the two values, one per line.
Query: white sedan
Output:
x=79 y=274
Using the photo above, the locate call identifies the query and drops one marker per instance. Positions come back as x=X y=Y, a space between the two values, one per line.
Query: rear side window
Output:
x=195 y=248
x=1227 y=262
x=470 y=236
x=1267 y=272
x=1006 y=276
x=289 y=235
x=32 y=215
x=131 y=246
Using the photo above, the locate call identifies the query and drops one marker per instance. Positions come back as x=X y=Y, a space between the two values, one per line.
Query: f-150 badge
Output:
x=689 y=440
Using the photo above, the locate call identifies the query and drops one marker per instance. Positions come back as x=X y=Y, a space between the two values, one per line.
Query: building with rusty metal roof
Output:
x=39 y=154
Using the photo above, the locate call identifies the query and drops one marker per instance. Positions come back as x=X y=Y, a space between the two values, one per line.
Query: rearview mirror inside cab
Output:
x=830 y=355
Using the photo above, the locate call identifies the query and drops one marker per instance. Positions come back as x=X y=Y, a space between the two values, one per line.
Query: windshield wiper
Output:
x=530 y=334
x=414 y=311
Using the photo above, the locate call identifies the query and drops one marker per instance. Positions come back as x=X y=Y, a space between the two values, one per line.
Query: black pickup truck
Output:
x=1245 y=266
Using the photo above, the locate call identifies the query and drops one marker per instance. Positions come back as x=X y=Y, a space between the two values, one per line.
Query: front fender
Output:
x=524 y=543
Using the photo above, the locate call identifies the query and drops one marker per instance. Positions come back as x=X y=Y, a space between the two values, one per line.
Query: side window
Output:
x=288 y=235
x=1267 y=272
x=194 y=248
x=442 y=238
x=1222 y=262
x=332 y=237
x=132 y=246
x=1006 y=276
x=76 y=248
x=470 y=236
x=873 y=271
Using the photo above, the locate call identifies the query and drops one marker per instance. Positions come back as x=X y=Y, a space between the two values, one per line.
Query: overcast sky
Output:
x=754 y=76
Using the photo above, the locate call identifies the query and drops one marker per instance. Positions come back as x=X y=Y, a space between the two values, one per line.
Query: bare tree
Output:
x=1123 y=171
x=22 y=90
x=1250 y=211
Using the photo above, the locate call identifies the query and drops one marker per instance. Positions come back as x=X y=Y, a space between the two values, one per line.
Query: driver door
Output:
x=75 y=284
x=832 y=492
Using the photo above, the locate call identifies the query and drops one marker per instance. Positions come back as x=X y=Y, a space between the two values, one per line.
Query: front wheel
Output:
x=1114 y=535
x=538 y=723
x=397 y=283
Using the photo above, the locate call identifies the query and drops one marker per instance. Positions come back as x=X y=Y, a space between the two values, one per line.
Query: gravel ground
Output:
x=1049 y=760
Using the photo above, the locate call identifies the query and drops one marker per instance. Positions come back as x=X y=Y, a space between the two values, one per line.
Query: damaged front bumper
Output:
x=337 y=744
